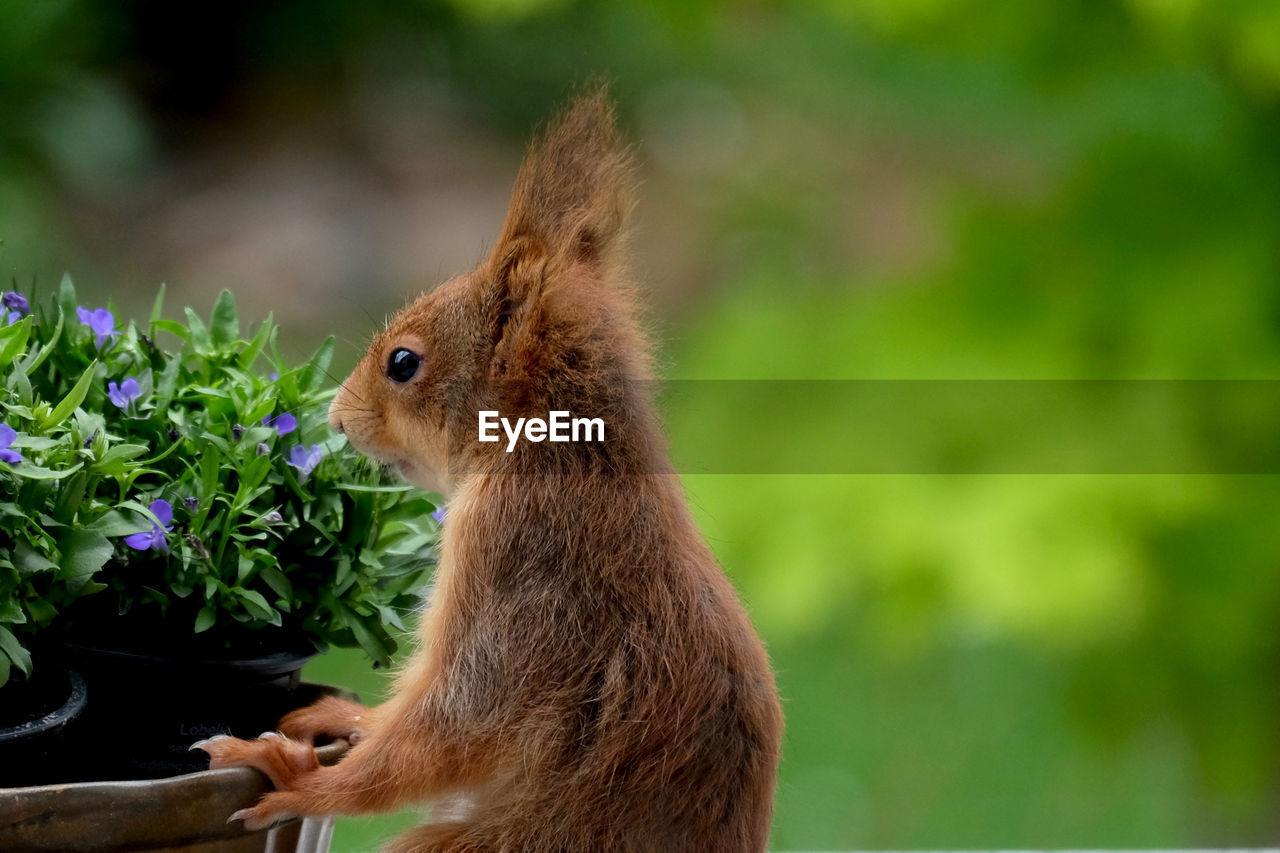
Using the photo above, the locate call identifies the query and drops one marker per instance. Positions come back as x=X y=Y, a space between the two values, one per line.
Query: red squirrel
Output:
x=587 y=679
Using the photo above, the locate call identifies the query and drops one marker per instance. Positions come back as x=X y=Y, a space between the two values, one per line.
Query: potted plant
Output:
x=200 y=529
x=39 y=695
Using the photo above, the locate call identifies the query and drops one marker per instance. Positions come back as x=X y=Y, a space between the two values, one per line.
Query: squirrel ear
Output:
x=573 y=193
x=518 y=275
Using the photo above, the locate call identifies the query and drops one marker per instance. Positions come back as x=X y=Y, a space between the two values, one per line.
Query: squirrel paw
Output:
x=329 y=719
x=282 y=760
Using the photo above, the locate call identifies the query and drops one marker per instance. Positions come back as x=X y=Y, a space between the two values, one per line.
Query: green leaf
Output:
x=219 y=442
x=317 y=368
x=71 y=496
x=209 y=470
x=11 y=612
x=251 y=352
x=172 y=327
x=74 y=398
x=390 y=617
x=167 y=384
x=35 y=472
x=20 y=657
x=224 y=325
x=373 y=645
x=199 y=335
x=343 y=576
x=157 y=310
x=20 y=384
x=35 y=442
x=113 y=461
x=83 y=553
x=391 y=488
x=205 y=618
x=67 y=301
x=28 y=561
x=45 y=351
x=42 y=612
x=258 y=606
x=115 y=523
x=13 y=340
x=279 y=584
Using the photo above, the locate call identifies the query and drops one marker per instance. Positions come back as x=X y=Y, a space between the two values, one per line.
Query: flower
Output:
x=7 y=435
x=12 y=317
x=124 y=394
x=438 y=515
x=191 y=502
x=284 y=422
x=101 y=322
x=154 y=539
x=305 y=460
x=16 y=302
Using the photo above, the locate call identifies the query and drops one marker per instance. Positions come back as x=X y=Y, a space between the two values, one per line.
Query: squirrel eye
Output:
x=403 y=365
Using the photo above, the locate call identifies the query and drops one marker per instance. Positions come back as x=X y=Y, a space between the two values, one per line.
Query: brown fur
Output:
x=587 y=679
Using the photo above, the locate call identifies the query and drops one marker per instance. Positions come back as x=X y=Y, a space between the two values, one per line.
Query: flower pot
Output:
x=147 y=709
x=184 y=813
x=34 y=716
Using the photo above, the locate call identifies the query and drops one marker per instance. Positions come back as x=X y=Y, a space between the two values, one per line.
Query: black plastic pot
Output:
x=148 y=709
x=37 y=714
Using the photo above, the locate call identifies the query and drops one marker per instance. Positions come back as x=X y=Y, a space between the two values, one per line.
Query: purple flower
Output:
x=101 y=322
x=284 y=423
x=191 y=502
x=12 y=317
x=7 y=435
x=305 y=460
x=154 y=539
x=438 y=514
x=124 y=394
x=16 y=302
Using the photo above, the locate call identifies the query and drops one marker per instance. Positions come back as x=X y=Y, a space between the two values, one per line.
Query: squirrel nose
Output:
x=335 y=415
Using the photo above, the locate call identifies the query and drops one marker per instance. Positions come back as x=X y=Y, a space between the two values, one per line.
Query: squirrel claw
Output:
x=202 y=744
x=253 y=821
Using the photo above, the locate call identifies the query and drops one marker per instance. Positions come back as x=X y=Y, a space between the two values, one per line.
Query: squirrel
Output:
x=587 y=678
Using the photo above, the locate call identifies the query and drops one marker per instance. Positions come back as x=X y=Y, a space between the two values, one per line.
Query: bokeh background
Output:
x=879 y=190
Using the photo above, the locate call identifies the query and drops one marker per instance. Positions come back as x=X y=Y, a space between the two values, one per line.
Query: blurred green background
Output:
x=892 y=189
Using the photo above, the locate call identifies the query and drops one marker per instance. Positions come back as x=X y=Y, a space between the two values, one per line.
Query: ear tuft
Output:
x=574 y=191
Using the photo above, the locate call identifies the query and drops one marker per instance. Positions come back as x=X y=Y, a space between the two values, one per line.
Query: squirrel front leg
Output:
x=395 y=763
